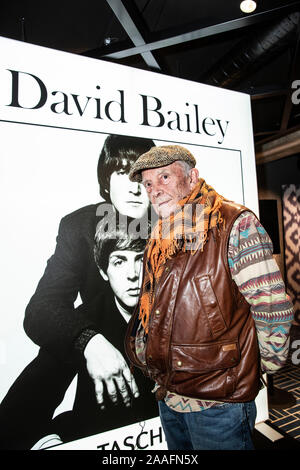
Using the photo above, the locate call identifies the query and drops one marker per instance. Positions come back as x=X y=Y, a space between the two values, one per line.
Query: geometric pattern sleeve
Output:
x=258 y=278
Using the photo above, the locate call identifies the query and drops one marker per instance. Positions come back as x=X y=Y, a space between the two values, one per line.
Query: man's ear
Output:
x=194 y=176
x=103 y=274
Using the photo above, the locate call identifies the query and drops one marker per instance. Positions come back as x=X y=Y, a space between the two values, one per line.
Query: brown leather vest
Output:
x=202 y=339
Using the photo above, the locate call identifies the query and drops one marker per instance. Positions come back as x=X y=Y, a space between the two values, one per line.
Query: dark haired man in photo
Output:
x=121 y=399
x=51 y=319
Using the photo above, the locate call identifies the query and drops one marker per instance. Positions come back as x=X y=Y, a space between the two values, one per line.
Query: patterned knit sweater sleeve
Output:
x=256 y=273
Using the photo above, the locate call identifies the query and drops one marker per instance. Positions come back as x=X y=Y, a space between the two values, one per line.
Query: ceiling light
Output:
x=248 y=6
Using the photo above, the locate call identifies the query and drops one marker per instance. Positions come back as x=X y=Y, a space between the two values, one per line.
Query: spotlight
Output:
x=248 y=6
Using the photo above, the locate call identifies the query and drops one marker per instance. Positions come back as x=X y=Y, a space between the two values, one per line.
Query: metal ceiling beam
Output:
x=132 y=31
x=199 y=33
x=267 y=94
x=258 y=134
x=284 y=146
x=279 y=134
x=252 y=52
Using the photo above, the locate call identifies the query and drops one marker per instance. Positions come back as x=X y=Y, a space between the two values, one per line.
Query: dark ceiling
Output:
x=208 y=41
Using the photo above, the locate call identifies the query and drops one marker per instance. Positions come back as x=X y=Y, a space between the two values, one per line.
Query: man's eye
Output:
x=165 y=177
x=118 y=262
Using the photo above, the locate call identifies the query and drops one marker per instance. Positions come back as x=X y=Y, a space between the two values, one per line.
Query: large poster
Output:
x=70 y=129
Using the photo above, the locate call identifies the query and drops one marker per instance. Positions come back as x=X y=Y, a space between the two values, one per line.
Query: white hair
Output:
x=185 y=166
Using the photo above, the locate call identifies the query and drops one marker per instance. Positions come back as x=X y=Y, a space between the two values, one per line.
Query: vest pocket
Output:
x=209 y=304
x=205 y=357
x=205 y=371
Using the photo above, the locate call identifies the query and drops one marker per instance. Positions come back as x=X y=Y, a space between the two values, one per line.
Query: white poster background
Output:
x=48 y=160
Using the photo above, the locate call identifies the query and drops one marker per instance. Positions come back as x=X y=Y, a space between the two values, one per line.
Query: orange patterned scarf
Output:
x=185 y=230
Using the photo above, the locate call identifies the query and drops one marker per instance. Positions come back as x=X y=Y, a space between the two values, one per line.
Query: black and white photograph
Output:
x=105 y=270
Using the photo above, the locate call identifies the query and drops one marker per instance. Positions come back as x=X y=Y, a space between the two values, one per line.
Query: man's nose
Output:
x=135 y=188
x=156 y=191
x=133 y=271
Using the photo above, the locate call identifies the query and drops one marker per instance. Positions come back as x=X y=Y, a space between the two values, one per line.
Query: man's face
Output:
x=166 y=186
x=124 y=275
x=128 y=198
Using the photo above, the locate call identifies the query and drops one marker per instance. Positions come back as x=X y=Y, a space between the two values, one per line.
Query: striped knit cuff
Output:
x=83 y=339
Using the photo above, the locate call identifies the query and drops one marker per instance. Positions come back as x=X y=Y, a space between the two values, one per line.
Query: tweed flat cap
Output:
x=160 y=156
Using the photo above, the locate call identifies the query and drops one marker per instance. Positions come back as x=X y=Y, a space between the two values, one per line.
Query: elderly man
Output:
x=213 y=313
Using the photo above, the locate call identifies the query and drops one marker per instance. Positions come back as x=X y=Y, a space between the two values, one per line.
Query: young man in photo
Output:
x=120 y=398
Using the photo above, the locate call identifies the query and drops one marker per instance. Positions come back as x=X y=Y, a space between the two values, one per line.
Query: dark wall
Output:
x=270 y=178
x=272 y=175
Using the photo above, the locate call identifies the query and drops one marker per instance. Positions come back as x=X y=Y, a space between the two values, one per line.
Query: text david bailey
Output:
x=152 y=111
